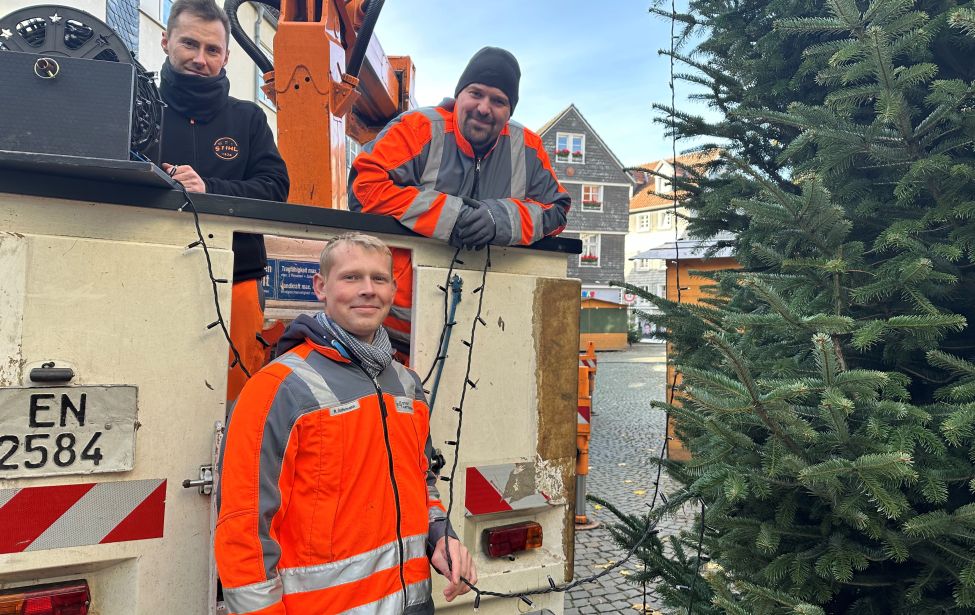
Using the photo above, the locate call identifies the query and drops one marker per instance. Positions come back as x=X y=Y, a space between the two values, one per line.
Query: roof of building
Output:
x=549 y=124
x=719 y=246
x=690 y=159
x=596 y=304
x=716 y=247
x=645 y=198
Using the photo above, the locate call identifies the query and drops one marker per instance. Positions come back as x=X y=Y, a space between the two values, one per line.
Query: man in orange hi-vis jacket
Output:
x=326 y=497
x=462 y=172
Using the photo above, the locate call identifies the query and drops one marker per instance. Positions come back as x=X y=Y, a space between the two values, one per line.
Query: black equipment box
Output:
x=62 y=105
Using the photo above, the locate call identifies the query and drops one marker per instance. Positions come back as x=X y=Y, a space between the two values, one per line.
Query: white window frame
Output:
x=268 y=49
x=642 y=264
x=352 y=149
x=156 y=9
x=661 y=290
x=664 y=220
x=642 y=223
x=593 y=249
x=567 y=141
x=596 y=198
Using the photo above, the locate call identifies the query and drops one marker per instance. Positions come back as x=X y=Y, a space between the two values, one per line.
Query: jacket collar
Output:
x=306 y=330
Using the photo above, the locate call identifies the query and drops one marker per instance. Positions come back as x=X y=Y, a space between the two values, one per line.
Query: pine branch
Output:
x=737 y=363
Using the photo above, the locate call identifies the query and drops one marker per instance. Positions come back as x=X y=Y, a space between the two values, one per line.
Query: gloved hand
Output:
x=475 y=226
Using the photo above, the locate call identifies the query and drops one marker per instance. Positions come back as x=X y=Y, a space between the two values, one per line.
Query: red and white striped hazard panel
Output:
x=38 y=518
x=502 y=487
x=584 y=417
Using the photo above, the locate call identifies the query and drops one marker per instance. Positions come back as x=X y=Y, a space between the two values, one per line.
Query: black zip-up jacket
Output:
x=235 y=155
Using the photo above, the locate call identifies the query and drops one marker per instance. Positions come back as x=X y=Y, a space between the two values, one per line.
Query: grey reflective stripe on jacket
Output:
x=418 y=602
x=252 y=598
x=355 y=568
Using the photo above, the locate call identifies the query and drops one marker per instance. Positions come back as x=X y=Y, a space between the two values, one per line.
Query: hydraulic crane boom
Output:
x=330 y=79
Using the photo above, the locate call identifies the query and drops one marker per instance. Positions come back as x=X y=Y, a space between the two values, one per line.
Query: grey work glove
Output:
x=475 y=226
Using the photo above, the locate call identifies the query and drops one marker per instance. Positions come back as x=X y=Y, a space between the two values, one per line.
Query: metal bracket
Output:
x=205 y=482
x=344 y=95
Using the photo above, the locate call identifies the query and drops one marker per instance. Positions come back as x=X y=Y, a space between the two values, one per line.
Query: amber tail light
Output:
x=56 y=599
x=505 y=540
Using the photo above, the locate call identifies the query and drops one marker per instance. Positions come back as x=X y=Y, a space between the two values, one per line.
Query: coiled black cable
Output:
x=245 y=42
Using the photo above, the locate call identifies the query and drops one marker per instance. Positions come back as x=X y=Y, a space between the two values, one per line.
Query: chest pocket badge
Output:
x=348 y=407
x=226 y=148
x=404 y=405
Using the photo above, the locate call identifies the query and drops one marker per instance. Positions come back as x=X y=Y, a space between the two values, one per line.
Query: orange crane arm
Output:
x=330 y=79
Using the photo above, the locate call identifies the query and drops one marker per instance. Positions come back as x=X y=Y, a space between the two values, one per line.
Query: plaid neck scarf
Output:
x=373 y=358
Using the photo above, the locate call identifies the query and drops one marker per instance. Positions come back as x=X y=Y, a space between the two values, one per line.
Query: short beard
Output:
x=483 y=144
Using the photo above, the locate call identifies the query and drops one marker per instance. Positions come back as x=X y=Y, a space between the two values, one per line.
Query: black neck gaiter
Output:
x=192 y=96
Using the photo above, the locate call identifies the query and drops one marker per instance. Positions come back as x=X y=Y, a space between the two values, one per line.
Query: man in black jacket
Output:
x=215 y=143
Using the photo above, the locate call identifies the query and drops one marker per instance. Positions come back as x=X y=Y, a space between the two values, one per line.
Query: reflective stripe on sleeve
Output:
x=421 y=203
x=431 y=170
x=254 y=597
x=519 y=170
x=448 y=217
x=349 y=570
x=506 y=226
x=538 y=223
x=435 y=513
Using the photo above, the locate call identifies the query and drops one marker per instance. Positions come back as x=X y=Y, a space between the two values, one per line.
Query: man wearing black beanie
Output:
x=497 y=72
x=462 y=172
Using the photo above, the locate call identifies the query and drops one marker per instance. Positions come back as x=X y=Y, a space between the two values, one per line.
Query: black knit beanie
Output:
x=493 y=67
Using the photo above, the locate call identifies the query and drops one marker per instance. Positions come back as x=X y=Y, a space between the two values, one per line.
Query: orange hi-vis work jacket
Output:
x=327 y=503
x=420 y=165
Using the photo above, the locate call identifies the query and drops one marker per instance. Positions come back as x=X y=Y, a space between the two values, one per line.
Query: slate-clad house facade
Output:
x=601 y=191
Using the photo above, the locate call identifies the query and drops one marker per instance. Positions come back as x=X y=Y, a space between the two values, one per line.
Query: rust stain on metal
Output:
x=555 y=324
x=556 y=332
x=521 y=482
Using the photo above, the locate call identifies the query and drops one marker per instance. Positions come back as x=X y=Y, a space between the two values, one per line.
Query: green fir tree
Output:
x=828 y=397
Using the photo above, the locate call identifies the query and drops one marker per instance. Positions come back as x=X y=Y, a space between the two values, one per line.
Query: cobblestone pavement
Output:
x=626 y=434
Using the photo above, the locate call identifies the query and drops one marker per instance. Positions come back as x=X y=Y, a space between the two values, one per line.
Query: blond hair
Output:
x=366 y=242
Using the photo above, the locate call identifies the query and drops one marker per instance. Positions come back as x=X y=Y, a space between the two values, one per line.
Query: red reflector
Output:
x=63 y=599
x=507 y=539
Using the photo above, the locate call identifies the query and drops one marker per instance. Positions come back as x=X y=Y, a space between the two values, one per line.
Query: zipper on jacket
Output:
x=384 y=414
x=477 y=176
x=196 y=159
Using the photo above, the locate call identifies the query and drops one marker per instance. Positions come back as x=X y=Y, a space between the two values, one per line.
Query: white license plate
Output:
x=46 y=431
